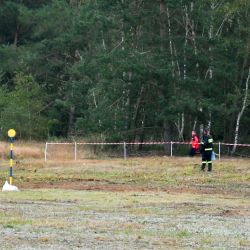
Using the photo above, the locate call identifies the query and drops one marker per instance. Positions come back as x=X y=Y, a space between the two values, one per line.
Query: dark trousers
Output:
x=206 y=160
x=192 y=152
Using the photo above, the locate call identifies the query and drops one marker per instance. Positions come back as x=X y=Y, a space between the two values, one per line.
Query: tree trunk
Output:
x=167 y=137
x=16 y=35
x=163 y=28
x=163 y=33
x=180 y=126
x=137 y=111
x=71 y=120
x=170 y=43
x=244 y=105
x=185 y=44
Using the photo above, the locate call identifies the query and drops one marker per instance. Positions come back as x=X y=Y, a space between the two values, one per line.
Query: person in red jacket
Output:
x=194 y=144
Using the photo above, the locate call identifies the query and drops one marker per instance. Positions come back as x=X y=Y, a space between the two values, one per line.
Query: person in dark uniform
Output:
x=206 y=150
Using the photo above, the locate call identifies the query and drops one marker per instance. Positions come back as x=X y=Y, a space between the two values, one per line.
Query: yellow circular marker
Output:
x=11 y=133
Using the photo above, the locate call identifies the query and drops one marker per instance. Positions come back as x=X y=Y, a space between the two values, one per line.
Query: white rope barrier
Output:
x=171 y=143
x=138 y=143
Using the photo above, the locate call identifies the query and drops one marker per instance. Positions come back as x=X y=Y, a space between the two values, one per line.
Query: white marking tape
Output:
x=137 y=143
x=232 y=144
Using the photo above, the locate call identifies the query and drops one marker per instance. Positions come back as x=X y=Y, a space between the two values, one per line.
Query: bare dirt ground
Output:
x=142 y=203
x=96 y=185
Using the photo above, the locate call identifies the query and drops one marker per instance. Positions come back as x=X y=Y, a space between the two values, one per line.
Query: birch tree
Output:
x=245 y=104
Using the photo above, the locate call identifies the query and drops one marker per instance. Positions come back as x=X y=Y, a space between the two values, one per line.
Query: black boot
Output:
x=209 y=167
x=203 y=166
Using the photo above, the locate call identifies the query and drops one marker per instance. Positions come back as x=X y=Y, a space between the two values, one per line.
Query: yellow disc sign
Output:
x=11 y=133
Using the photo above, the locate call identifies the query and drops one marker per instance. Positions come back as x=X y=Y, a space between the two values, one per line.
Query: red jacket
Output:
x=195 y=142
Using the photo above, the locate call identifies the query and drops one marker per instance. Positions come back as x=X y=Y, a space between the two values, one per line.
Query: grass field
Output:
x=141 y=203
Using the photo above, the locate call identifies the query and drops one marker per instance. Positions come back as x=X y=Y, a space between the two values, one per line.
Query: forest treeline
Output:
x=116 y=70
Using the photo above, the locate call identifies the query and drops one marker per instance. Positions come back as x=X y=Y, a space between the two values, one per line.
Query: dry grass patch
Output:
x=148 y=173
x=57 y=223
x=23 y=150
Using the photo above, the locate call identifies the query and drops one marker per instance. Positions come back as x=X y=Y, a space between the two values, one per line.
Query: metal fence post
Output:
x=75 y=150
x=171 y=149
x=45 y=152
x=125 y=151
x=219 y=150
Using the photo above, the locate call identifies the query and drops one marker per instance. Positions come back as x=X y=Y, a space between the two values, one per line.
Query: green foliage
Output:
x=118 y=68
x=22 y=108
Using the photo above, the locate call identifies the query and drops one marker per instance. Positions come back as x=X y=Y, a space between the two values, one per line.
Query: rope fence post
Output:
x=125 y=151
x=75 y=151
x=45 y=151
x=219 y=150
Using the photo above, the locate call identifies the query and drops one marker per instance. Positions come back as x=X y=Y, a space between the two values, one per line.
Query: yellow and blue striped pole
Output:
x=11 y=134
